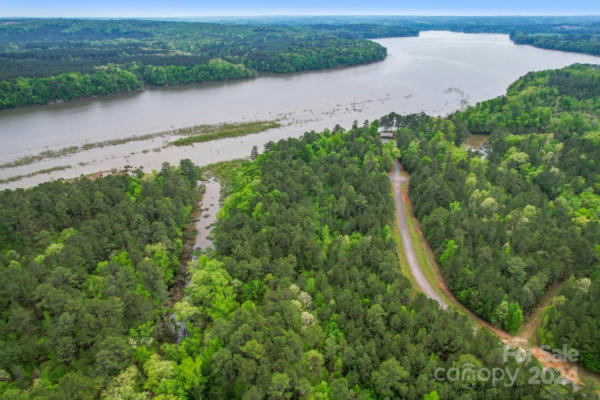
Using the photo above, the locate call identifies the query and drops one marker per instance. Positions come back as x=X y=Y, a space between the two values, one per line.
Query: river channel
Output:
x=436 y=72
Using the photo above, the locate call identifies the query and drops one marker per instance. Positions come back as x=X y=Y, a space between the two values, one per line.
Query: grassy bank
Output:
x=223 y=172
x=42 y=171
x=227 y=131
x=206 y=132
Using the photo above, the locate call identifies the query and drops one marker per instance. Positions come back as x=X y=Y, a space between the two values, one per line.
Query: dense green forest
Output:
x=579 y=34
x=48 y=60
x=39 y=48
x=303 y=296
x=508 y=222
x=580 y=43
x=85 y=271
x=573 y=319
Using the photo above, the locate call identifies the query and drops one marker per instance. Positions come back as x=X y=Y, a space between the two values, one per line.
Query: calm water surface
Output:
x=437 y=72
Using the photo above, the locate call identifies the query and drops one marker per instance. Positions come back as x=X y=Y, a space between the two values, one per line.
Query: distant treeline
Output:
x=72 y=85
x=46 y=60
x=578 y=43
x=43 y=61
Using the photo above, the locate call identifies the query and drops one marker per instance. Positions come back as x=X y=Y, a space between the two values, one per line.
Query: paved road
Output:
x=397 y=180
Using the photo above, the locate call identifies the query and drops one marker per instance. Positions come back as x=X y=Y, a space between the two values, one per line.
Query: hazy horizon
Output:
x=259 y=15
x=271 y=8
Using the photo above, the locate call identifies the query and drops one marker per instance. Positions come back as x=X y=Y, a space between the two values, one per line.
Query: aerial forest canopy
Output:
x=303 y=296
x=85 y=268
x=509 y=222
x=49 y=60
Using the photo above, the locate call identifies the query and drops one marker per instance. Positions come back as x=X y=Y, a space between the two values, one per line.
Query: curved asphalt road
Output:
x=397 y=180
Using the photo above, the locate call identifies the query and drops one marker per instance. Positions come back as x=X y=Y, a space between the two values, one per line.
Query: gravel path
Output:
x=397 y=180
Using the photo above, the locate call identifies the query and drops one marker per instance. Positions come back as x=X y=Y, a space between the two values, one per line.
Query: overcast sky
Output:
x=188 y=8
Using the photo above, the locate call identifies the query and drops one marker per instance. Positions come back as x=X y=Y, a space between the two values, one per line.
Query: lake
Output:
x=437 y=72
